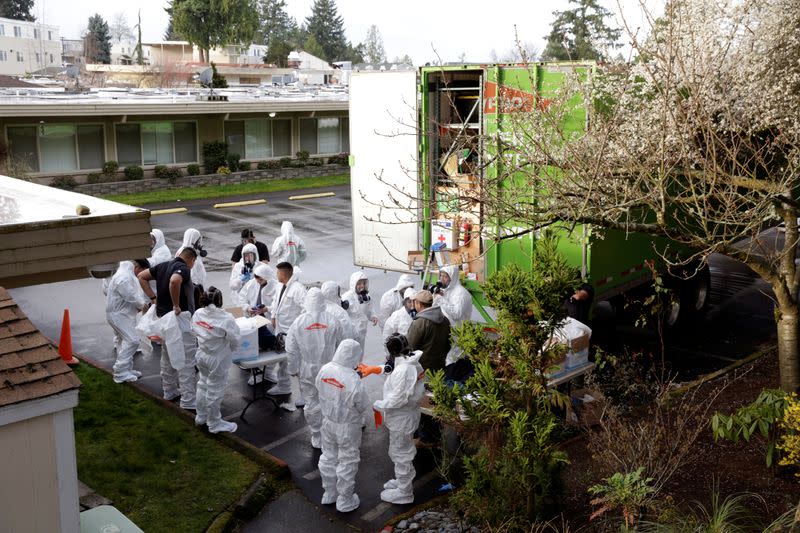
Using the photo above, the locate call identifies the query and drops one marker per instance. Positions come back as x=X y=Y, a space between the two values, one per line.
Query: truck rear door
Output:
x=383 y=168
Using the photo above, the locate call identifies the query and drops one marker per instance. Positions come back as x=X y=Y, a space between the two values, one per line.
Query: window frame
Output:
x=271 y=136
x=2 y=30
x=17 y=31
x=141 y=147
x=3 y=56
x=37 y=126
x=340 y=133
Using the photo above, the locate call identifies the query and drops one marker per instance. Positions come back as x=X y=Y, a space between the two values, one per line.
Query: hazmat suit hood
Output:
x=263 y=271
x=348 y=354
x=409 y=293
x=250 y=248
x=406 y=280
x=409 y=359
x=330 y=291
x=287 y=230
x=355 y=278
x=452 y=271
x=190 y=237
x=158 y=236
x=314 y=303
x=126 y=267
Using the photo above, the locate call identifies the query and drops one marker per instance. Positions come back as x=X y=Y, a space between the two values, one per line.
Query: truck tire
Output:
x=697 y=291
x=673 y=309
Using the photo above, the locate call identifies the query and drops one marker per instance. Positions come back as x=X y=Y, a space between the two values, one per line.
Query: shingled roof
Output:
x=30 y=366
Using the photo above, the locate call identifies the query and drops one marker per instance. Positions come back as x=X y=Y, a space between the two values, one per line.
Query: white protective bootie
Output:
x=277 y=390
x=391 y=484
x=223 y=427
x=328 y=498
x=125 y=378
x=345 y=505
x=397 y=496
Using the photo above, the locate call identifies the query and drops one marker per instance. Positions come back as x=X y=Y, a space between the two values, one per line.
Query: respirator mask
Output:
x=397 y=346
x=200 y=250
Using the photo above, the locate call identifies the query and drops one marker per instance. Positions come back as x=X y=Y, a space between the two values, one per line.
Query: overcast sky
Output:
x=420 y=28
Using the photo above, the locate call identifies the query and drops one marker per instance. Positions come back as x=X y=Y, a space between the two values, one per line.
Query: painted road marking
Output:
x=309 y=196
x=168 y=211
x=314 y=474
x=284 y=440
x=239 y=204
x=376 y=511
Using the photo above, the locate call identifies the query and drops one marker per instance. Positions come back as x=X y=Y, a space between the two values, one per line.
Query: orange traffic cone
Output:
x=65 y=342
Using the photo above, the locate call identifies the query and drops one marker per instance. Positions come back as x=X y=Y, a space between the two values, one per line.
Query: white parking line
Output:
x=284 y=440
x=314 y=474
x=376 y=511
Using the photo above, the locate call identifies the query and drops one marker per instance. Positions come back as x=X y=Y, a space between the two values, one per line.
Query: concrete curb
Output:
x=722 y=371
x=168 y=211
x=311 y=196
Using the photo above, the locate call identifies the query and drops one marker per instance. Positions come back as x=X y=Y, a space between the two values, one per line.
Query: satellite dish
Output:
x=206 y=77
x=73 y=72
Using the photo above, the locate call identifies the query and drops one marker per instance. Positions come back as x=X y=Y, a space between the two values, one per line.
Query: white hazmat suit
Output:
x=192 y=238
x=238 y=277
x=286 y=307
x=217 y=336
x=456 y=304
x=160 y=251
x=330 y=291
x=248 y=296
x=392 y=300
x=402 y=394
x=311 y=343
x=343 y=400
x=124 y=299
x=400 y=320
x=288 y=247
x=360 y=308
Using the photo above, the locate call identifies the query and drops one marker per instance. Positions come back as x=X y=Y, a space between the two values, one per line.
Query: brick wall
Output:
x=145 y=185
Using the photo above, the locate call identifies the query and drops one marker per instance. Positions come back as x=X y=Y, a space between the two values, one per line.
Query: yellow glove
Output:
x=366 y=370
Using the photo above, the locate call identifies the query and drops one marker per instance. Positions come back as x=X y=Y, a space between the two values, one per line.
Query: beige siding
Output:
x=29 y=484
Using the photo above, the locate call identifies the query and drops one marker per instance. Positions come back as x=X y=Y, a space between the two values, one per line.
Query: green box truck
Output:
x=422 y=141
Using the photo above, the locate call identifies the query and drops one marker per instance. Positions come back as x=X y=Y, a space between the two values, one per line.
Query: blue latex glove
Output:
x=244 y=277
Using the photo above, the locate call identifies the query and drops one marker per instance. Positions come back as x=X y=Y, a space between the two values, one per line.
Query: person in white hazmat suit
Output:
x=288 y=246
x=333 y=303
x=359 y=306
x=124 y=300
x=393 y=299
x=242 y=271
x=402 y=394
x=193 y=239
x=455 y=302
x=256 y=298
x=311 y=343
x=343 y=400
x=161 y=253
x=217 y=336
x=401 y=319
x=287 y=305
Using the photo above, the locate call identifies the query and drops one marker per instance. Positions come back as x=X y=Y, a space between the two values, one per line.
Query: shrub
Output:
x=299 y=163
x=161 y=171
x=214 y=155
x=93 y=177
x=133 y=172
x=285 y=161
x=302 y=155
x=232 y=162
x=64 y=182
x=262 y=165
x=339 y=159
x=790 y=440
x=244 y=166
x=110 y=168
x=314 y=162
x=224 y=171
x=193 y=170
x=628 y=492
x=167 y=173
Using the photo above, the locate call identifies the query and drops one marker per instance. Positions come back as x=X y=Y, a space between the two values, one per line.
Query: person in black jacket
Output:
x=248 y=237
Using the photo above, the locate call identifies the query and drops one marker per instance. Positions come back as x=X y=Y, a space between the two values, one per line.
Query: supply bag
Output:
x=248 y=346
x=172 y=328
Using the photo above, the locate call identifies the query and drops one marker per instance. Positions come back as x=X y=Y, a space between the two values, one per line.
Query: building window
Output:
x=17 y=31
x=20 y=58
x=3 y=55
x=51 y=59
x=37 y=34
x=38 y=57
x=259 y=138
x=156 y=143
x=2 y=29
x=327 y=135
x=58 y=147
x=49 y=35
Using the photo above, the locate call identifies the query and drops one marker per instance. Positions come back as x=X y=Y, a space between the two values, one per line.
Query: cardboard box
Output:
x=248 y=347
x=416 y=260
x=576 y=336
x=237 y=312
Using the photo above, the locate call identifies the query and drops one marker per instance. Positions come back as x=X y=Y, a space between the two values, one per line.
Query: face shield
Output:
x=362 y=289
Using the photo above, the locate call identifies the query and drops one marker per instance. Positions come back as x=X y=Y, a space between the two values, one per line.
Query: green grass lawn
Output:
x=156 y=467
x=219 y=191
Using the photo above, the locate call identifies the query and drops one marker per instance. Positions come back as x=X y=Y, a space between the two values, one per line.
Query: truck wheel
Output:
x=697 y=291
x=673 y=309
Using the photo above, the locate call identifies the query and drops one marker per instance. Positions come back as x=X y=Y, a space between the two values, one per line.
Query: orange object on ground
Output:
x=65 y=342
x=378 y=418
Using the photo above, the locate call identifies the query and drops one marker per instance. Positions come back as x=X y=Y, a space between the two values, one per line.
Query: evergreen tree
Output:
x=17 y=9
x=170 y=34
x=327 y=27
x=313 y=47
x=373 y=46
x=581 y=33
x=210 y=23
x=278 y=30
x=97 y=42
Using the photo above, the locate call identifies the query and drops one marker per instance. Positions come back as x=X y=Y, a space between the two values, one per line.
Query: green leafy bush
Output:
x=232 y=162
x=628 y=493
x=315 y=162
x=160 y=171
x=110 y=168
x=302 y=155
x=339 y=159
x=133 y=172
x=285 y=161
x=215 y=155
x=64 y=182
x=244 y=166
x=167 y=173
x=224 y=171
x=93 y=177
x=193 y=169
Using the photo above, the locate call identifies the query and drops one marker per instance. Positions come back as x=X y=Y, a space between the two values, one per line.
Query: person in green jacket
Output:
x=429 y=332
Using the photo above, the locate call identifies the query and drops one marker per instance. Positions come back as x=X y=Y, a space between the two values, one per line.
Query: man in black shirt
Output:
x=249 y=237
x=175 y=293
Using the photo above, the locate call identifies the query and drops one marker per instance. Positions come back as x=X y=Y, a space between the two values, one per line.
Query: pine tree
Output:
x=313 y=47
x=373 y=46
x=581 y=33
x=17 y=9
x=327 y=27
x=278 y=31
x=170 y=34
x=97 y=40
x=211 y=23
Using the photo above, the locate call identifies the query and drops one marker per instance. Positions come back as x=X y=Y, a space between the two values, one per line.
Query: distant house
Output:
x=28 y=46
